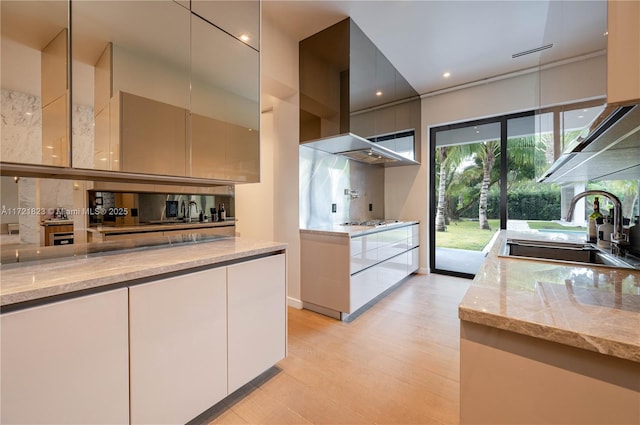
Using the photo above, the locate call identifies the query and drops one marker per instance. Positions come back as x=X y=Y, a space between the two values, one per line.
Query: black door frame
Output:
x=502 y=119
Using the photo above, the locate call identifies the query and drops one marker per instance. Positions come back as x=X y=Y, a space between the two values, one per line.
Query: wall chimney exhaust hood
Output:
x=353 y=102
x=609 y=150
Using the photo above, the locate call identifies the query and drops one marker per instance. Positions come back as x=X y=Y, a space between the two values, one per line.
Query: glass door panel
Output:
x=466 y=195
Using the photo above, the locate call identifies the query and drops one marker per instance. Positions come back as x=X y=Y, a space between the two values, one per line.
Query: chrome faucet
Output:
x=618 y=235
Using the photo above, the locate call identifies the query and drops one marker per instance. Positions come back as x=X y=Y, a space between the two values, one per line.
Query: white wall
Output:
x=269 y=209
x=407 y=188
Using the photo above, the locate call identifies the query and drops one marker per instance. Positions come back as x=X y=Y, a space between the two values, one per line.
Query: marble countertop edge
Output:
x=580 y=340
x=109 y=278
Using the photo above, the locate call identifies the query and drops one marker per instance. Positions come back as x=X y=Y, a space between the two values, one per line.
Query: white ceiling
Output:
x=473 y=40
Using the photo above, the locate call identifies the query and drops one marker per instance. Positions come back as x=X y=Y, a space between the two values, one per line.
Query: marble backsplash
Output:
x=21 y=128
x=323 y=180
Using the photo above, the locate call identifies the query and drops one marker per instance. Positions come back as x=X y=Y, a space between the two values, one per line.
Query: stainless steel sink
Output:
x=562 y=252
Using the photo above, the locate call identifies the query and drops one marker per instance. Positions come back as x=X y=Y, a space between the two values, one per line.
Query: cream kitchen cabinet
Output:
x=140 y=135
x=225 y=111
x=152 y=136
x=224 y=151
x=178 y=347
x=208 y=147
x=67 y=362
x=257 y=318
x=623 y=52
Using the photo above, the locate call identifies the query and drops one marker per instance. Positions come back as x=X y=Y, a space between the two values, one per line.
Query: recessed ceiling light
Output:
x=580 y=116
x=446 y=75
x=585 y=110
x=245 y=37
x=378 y=93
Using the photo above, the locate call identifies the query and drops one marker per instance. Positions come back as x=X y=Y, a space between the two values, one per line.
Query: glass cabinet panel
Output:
x=34 y=82
x=131 y=86
x=225 y=105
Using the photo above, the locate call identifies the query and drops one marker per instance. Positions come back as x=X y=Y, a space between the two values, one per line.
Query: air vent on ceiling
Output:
x=528 y=52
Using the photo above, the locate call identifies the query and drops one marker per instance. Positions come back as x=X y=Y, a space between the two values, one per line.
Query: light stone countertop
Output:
x=36 y=280
x=588 y=307
x=352 y=230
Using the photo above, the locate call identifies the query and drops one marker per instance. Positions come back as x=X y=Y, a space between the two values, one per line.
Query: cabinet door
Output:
x=152 y=136
x=243 y=154
x=623 y=52
x=33 y=38
x=224 y=89
x=67 y=362
x=126 y=46
x=363 y=288
x=208 y=147
x=178 y=347
x=257 y=317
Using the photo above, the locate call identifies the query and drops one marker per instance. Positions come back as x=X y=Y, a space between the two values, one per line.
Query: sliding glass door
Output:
x=485 y=177
x=465 y=165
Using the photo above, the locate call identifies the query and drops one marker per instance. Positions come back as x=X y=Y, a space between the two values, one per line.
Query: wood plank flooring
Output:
x=397 y=363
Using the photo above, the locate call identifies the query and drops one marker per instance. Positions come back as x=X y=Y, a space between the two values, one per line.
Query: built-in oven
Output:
x=61 y=238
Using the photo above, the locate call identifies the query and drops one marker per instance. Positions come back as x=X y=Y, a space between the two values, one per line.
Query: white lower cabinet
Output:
x=161 y=352
x=178 y=347
x=342 y=273
x=257 y=318
x=67 y=362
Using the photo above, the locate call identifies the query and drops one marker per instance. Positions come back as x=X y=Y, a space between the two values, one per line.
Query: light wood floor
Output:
x=397 y=363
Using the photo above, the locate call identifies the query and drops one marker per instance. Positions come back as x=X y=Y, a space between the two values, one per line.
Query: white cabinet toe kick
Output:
x=343 y=274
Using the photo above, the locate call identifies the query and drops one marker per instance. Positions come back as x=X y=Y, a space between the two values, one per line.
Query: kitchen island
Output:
x=549 y=342
x=345 y=267
x=155 y=330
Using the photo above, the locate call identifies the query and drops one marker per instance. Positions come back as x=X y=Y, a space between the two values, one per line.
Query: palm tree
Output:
x=442 y=184
x=448 y=157
x=521 y=153
x=487 y=151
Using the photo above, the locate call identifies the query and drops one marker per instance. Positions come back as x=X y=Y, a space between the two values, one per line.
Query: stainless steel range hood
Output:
x=609 y=150
x=350 y=94
x=359 y=149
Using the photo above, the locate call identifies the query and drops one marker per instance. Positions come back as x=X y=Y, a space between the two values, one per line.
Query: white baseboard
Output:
x=295 y=303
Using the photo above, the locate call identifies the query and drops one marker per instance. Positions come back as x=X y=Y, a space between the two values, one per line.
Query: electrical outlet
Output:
x=370 y=207
x=334 y=208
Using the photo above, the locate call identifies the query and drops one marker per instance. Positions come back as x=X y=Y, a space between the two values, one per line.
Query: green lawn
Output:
x=466 y=235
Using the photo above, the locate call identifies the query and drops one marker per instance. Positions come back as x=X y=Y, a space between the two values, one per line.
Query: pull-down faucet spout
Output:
x=617 y=210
